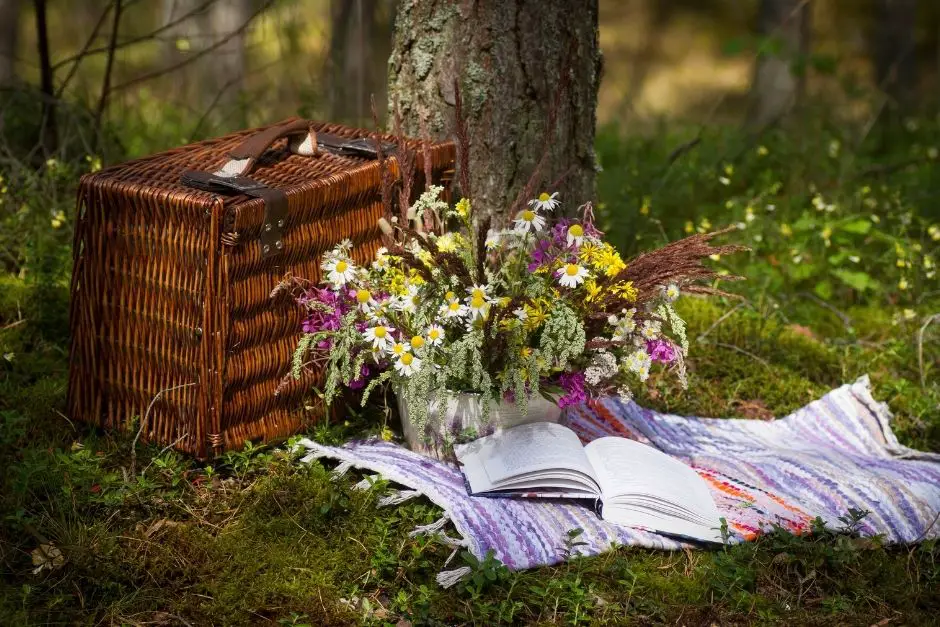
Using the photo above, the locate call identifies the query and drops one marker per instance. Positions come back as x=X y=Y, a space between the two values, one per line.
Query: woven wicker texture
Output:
x=171 y=299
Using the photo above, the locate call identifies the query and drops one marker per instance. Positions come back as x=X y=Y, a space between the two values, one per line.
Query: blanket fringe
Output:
x=434 y=527
x=454 y=543
x=342 y=469
x=447 y=578
x=397 y=497
x=367 y=482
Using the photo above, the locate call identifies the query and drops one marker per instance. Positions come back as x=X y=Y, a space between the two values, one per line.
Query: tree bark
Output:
x=893 y=52
x=777 y=86
x=9 y=29
x=511 y=59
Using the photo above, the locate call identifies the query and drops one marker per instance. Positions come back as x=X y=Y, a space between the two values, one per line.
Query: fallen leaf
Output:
x=47 y=557
x=799 y=329
x=155 y=527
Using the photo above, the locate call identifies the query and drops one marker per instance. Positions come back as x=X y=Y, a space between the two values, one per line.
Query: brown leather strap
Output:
x=303 y=141
x=253 y=147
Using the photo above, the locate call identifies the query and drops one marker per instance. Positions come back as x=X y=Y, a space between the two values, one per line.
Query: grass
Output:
x=259 y=539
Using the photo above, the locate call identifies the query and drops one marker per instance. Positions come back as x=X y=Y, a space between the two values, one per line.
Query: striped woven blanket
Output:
x=834 y=455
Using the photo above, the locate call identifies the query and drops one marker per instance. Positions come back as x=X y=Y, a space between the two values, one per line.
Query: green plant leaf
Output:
x=861 y=226
x=856 y=279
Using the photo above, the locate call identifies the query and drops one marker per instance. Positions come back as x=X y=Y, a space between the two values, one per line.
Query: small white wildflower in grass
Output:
x=854 y=258
x=435 y=334
x=340 y=271
x=903 y=284
x=575 y=234
x=572 y=275
x=407 y=364
x=380 y=336
x=932 y=152
x=749 y=214
x=527 y=221
x=834 y=147
x=638 y=361
x=909 y=314
x=724 y=180
x=479 y=291
x=545 y=202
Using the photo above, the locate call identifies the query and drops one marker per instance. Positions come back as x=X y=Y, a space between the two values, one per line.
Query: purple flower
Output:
x=326 y=317
x=360 y=382
x=661 y=350
x=541 y=254
x=573 y=385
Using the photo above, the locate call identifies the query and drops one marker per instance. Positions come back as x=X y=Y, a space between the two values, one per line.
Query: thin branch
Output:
x=176 y=66
x=846 y=320
x=77 y=58
x=164 y=450
x=146 y=420
x=109 y=68
x=920 y=348
x=81 y=55
x=743 y=352
x=717 y=322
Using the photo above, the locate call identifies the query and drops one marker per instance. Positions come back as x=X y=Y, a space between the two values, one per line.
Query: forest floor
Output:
x=837 y=287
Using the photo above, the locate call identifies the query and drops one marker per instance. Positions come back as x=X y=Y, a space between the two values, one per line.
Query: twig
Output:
x=681 y=149
x=743 y=352
x=723 y=317
x=920 y=348
x=846 y=320
x=162 y=451
x=13 y=324
x=176 y=66
x=143 y=423
x=108 y=69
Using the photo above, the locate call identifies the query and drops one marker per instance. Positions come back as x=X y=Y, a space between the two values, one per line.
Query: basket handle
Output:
x=302 y=140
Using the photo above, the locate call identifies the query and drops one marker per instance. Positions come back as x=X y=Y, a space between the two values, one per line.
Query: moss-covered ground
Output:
x=258 y=539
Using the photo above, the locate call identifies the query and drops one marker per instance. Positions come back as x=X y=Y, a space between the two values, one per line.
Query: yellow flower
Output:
x=704 y=225
x=609 y=261
x=525 y=352
x=902 y=284
x=463 y=207
x=762 y=151
x=645 y=209
x=536 y=317
x=689 y=226
x=387 y=434
x=417 y=342
x=785 y=230
x=588 y=252
x=625 y=290
x=446 y=243
x=504 y=301
x=592 y=289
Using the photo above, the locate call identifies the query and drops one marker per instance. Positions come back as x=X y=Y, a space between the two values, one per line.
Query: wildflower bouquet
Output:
x=545 y=307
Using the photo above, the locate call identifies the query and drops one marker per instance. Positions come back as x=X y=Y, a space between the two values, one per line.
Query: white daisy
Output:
x=545 y=202
x=407 y=364
x=638 y=360
x=575 y=234
x=492 y=239
x=399 y=348
x=479 y=291
x=453 y=309
x=365 y=301
x=478 y=307
x=624 y=330
x=417 y=343
x=650 y=329
x=340 y=271
x=381 y=262
x=527 y=221
x=671 y=292
x=435 y=334
x=380 y=336
x=408 y=302
x=572 y=275
x=521 y=313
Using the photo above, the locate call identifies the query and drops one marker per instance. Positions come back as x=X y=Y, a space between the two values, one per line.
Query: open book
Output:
x=635 y=484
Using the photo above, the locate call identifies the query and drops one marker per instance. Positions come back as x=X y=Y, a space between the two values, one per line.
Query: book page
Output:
x=527 y=453
x=641 y=485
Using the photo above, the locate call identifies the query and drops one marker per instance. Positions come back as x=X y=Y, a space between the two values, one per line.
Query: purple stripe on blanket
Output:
x=835 y=453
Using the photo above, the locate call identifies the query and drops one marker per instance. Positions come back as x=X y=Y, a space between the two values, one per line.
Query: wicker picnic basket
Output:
x=172 y=319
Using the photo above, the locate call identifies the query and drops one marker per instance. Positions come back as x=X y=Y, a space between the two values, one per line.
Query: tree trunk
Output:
x=9 y=29
x=226 y=64
x=777 y=86
x=519 y=63
x=360 y=43
x=893 y=52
